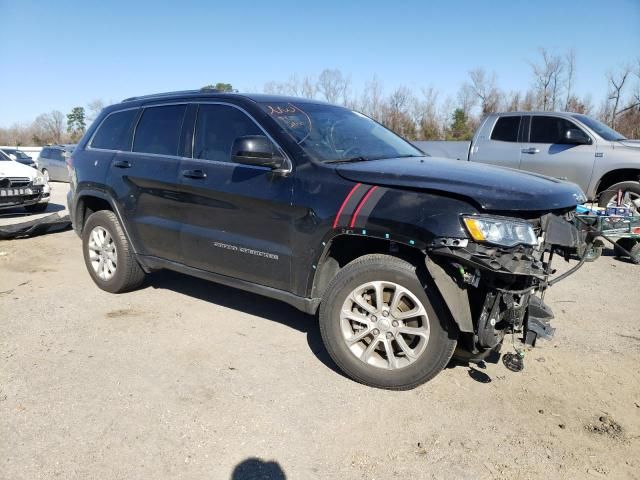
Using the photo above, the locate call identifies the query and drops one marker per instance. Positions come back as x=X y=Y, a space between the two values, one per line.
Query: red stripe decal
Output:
x=362 y=202
x=353 y=190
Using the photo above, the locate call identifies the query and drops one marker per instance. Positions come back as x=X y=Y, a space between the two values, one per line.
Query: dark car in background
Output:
x=19 y=156
x=52 y=162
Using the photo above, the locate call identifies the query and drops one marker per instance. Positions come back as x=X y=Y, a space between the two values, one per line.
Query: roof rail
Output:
x=172 y=94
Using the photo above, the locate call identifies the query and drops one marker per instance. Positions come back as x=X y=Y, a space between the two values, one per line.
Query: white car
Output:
x=22 y=186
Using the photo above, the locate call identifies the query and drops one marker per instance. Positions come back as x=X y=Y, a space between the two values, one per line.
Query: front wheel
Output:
x=381 y=328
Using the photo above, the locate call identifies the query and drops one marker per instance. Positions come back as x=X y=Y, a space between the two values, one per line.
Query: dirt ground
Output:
x=188 y=379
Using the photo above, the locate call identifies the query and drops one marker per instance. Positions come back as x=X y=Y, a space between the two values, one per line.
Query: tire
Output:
x=593 y=253
x=37 y=207
x=45 y=174
x=609 y=195
x=623 y=243
x=433 y=347
x=108 y=255
x=635 y=253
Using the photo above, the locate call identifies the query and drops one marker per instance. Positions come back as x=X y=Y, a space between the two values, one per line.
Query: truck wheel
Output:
x=381 y=328
x=630 y=195
x=108 y=255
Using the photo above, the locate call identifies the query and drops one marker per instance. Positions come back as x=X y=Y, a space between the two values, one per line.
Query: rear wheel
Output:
x=630 y=196
x=108 y=255
x=381 y=328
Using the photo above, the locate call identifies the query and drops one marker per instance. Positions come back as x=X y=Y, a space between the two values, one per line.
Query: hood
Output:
x=630 y=143
x=16 y=169
x=493 y=188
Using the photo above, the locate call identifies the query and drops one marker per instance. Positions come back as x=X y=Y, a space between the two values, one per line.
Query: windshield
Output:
x=329 y=133
x=600 y=128
x=4 y=157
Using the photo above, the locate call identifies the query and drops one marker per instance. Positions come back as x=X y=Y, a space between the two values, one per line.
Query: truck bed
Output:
x=446 y=149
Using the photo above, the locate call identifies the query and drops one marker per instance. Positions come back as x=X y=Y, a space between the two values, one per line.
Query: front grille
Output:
x=13 y=182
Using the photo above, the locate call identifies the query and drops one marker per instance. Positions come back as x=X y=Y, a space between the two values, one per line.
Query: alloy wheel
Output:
x=384 y=325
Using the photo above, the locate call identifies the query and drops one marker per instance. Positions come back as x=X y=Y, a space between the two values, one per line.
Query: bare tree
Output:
x=51 y=126
x=547 y=79
x=372 y=101
x=94 y=107
x=484 y=87
x=570 y=64
x=466 y=98
x=425 y=115
x=334 y=86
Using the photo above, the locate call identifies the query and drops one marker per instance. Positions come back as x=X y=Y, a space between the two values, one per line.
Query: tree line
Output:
x=416 y=115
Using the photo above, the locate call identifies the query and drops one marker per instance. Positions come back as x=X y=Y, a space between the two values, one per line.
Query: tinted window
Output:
x=159 y=130
x=56 y=154
x=217 y=127
x=506 y=129
x=549 y=129
x=600 y=128
x=115 y=132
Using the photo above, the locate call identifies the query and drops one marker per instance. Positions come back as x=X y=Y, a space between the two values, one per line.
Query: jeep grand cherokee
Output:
x=405 y=256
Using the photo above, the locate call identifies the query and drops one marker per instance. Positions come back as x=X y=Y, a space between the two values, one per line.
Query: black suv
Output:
x=405 y=256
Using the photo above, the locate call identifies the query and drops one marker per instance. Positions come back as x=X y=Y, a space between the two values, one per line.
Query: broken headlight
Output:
x=506 y=232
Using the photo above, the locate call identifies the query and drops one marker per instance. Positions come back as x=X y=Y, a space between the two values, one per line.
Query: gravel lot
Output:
x=188 y=379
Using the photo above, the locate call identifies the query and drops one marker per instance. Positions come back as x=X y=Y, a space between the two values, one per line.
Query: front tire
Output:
x=380 y=326
x=108 y=255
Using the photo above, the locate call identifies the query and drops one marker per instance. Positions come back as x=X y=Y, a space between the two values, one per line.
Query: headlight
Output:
x=38 y=180
x=500 y=231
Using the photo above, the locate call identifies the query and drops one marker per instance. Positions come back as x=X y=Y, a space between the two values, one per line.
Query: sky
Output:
x=61 y=54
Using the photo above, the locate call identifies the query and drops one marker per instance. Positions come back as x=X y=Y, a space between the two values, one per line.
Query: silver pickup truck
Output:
x=568 y=146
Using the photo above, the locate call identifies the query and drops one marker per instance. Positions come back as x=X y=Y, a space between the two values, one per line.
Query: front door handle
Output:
x=197 y=174
x=530 y=150
x=122 y=164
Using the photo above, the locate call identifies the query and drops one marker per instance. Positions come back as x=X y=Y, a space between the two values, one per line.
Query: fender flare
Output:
x=114 y=208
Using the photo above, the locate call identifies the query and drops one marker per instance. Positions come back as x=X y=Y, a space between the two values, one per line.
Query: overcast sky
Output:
x=60 y=54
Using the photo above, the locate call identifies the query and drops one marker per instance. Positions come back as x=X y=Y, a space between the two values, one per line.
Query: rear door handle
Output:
x=122 y=164
x=530 y=150
x=197 y=174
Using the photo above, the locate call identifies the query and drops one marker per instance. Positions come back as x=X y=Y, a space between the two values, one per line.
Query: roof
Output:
x=256 y=97
x=535 y=112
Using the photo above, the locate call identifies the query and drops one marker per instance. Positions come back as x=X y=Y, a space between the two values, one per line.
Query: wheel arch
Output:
x=90 y=201
x=616 y=176
x=344 y=248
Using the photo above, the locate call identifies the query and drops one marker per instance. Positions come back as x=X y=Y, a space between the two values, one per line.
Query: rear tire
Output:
x=610 y=194
x=108 y=255
x=413 y=343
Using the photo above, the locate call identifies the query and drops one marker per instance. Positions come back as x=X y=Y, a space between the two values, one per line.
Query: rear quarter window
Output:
x=506 y=129
x=114 y=133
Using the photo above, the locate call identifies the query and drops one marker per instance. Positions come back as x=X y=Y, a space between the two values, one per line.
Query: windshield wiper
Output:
x=360 y=158
x=348 y=160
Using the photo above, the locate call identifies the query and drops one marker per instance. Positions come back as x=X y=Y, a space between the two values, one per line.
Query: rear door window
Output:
x=549 y=129
x=158 y=130
x=217 y=126
x=506 y=129
x=115 y=131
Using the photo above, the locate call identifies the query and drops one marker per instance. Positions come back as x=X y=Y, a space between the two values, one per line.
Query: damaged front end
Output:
x=495 y=290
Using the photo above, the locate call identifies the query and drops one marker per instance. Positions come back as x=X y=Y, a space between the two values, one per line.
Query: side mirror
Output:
x=257 y=150
x=575 y=136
